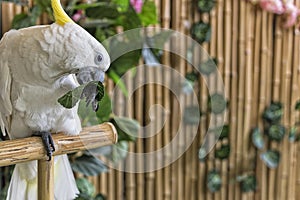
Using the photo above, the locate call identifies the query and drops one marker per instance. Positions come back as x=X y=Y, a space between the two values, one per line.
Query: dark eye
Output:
x=98 y=58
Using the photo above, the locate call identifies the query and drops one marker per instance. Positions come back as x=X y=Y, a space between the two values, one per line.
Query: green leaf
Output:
x=202 y=153
x=223 y=152
x=192 y=115
x=125 y=62
x=85 y=188
x=248 y=183
x=118 y=81
x=293 y=134
x=217 y=103
x=273 y=113
x=70 y=99
x=208 y=66
x=127 y=128
x=192 y=76
x=122 y=5
x=271 y=158
x=222 y=132
x=88 y=165
x=276 y=132
x=201 y=32
x=105 y=109
x=214 y=181
x=297 y=106
x=102 y=11
x=129 y=20
x=119 y=151
x=257 y=138
x=148 y=15
x=100 y=197
x=22 y=20
x=206 y=5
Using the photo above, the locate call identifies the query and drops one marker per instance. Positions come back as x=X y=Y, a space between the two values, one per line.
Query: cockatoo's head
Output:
x=84 y=55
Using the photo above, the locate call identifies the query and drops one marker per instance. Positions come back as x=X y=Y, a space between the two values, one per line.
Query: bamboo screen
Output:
x=259 y=62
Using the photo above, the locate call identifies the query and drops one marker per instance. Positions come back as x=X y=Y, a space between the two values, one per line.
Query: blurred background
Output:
x=256 y=48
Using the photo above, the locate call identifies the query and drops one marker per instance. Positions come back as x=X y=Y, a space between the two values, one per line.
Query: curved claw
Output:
x=47 y=141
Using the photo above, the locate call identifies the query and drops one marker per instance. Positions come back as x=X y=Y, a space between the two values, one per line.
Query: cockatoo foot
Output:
x=47 y=141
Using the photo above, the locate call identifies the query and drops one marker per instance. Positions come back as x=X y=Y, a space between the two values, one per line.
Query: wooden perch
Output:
x=28 y=149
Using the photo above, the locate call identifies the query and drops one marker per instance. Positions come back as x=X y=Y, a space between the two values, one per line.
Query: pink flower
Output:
x=137 y=5
x=274 y=6
x=77 y=16
x=292 y=13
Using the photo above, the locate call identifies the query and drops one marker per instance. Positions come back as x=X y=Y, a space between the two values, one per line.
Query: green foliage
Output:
x=85 y=187
x=192 y=115
x=293 y=137
x=276 y=132
x=222 y=152
x=214 y=181
x=221 y=132
x=127 y=128
x=248 y=183
x=202 y=154
x=206 y=5
x=148 y=16
x=201 y=32
x=88 y=165
x=273 y=113
x=271 y=158
x=257 y=138
x=105 y=109
x=70 y=99
x=297 y=106
x=209 y=66
x=87 y=190
x=217 y=103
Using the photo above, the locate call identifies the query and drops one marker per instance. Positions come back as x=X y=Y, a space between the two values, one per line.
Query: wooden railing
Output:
x=28 y=149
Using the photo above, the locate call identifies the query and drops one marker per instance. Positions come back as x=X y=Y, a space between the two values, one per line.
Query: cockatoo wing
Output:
x=5 y=89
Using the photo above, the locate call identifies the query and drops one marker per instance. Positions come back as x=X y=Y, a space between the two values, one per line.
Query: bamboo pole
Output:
x=150 y=142
x=46 y=179
x=176 y=13
x=28 y=149
x=233 y=98
x=130 y=184
x=139 y=115
x=273 y=145
x=166 y=12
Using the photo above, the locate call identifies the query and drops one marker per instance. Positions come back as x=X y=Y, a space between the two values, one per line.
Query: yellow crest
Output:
x=60 y=16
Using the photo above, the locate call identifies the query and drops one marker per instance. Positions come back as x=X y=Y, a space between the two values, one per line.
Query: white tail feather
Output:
x=23 y=184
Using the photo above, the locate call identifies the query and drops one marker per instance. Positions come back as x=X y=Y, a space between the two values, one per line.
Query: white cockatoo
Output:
x=38 y=65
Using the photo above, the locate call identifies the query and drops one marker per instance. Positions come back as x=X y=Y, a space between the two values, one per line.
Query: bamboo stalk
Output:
x=46 y=179
x=167 y=104
x=150 y=142
x=285 y=97
x=7 y=15
x=241 y=94
x=233 y=98
x=130 y=185
x=273 y=145
x=159 y=119
x=140 y=182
